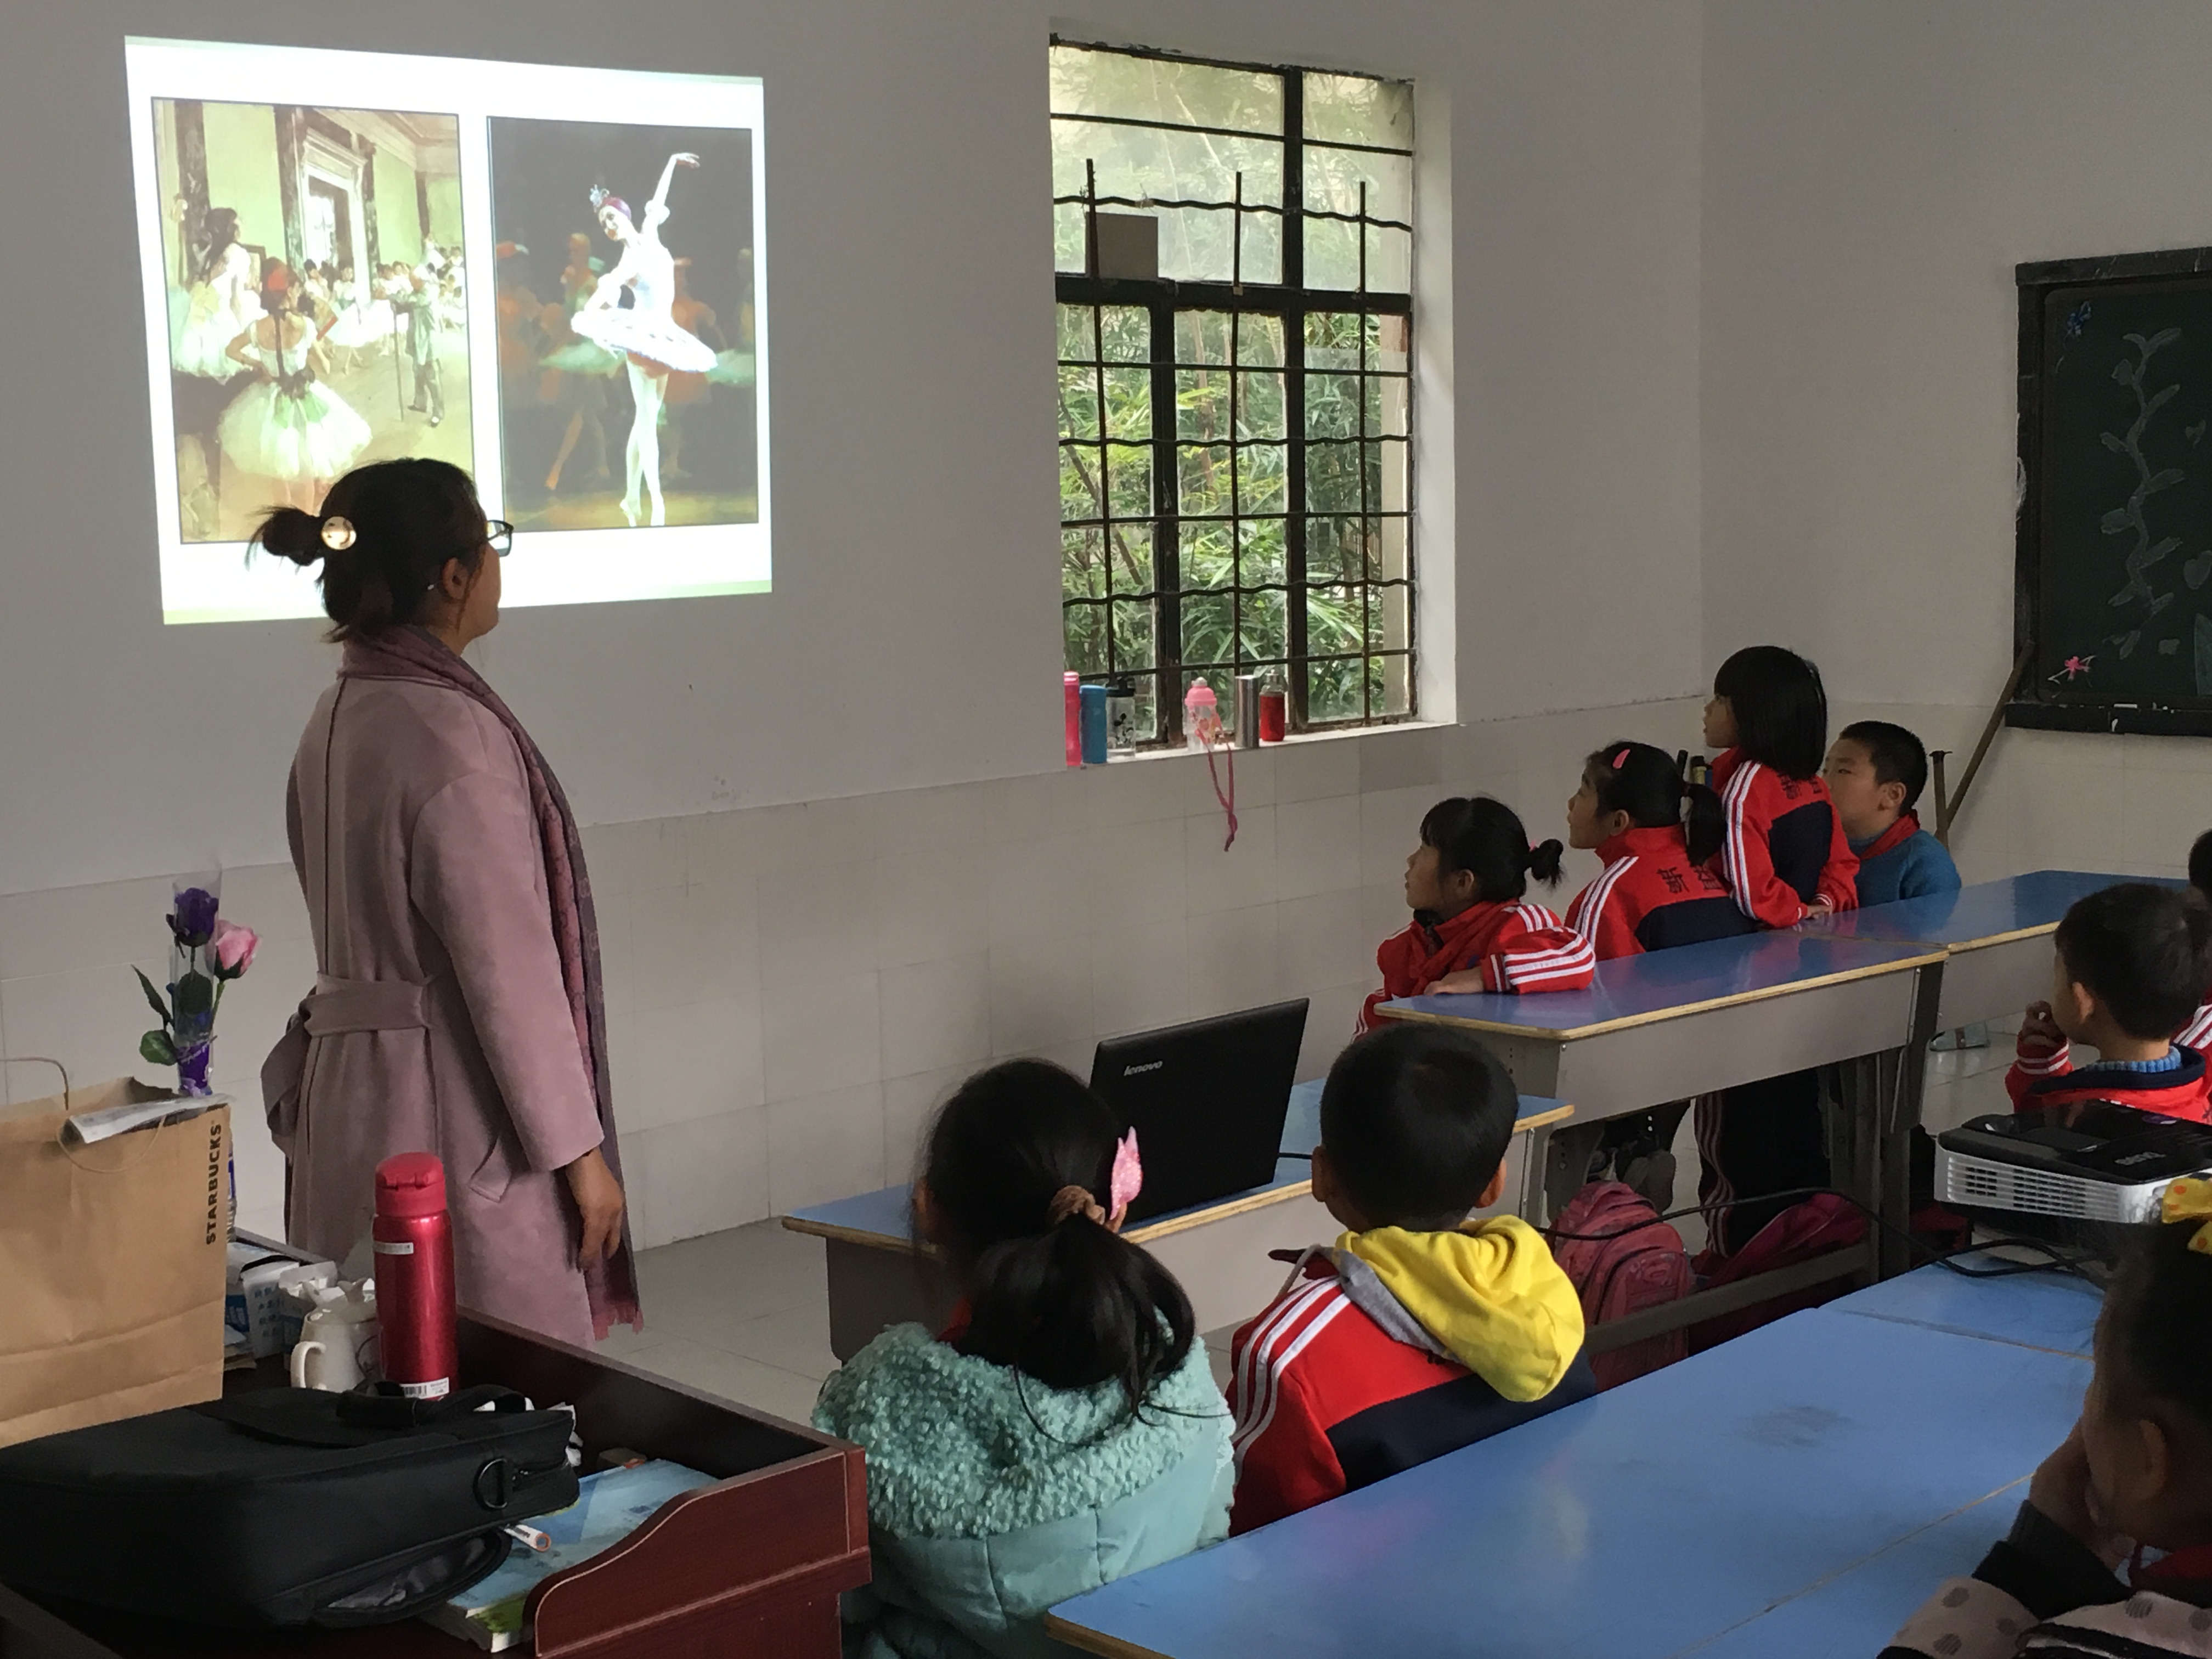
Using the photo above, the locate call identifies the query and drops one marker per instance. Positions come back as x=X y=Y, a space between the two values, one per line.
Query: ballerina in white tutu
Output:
x=647 y=333
x=288 y=425
x=362 y=322
x=221 y=306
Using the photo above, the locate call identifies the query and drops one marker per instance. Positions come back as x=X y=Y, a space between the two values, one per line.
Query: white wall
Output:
x=838 y=860
x=913 y=636
x=1872 y=174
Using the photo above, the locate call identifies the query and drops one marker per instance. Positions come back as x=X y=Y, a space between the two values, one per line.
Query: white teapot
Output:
x=338 y=1346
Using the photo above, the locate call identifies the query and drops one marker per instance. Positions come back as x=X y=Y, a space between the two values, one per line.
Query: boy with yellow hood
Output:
x=1419 y=1332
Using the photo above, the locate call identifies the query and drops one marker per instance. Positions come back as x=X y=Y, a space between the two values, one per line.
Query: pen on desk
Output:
x=523 y=1533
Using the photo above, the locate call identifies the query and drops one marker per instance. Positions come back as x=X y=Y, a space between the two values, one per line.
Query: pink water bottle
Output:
x=413 y=1240
x=1071 y=688
x=1201 y=717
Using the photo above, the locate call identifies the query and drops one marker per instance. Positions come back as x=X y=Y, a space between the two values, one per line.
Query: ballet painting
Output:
x=627 y=322
x=315 y=289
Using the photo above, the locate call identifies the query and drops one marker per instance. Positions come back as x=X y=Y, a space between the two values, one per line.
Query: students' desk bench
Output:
x=1821 y=1475
x=878 y=1276
x=1700 y=1017
x=1995 y=937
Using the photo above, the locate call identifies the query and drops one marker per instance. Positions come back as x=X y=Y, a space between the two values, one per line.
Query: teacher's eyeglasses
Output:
x=499 y=536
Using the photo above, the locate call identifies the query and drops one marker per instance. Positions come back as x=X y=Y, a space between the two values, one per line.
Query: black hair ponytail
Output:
x=1485 y=838
x=1546 y=860
x=404 y=519
x=1054 y=1294
x=1704 y=821
x=1646 y=783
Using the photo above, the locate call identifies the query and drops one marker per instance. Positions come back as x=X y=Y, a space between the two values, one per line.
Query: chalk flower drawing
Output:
x=2131 y=373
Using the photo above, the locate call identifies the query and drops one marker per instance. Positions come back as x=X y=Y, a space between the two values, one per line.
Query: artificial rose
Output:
x=232 y=948
x=194 y=919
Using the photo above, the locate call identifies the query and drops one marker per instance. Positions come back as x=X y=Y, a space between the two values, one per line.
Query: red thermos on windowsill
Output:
x=413 y=1240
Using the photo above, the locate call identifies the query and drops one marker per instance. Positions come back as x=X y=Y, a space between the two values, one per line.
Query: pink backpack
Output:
x=1814 y=1227
x=1622 y=1260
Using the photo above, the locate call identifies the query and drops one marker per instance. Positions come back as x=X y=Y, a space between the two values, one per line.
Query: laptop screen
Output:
x=1207 y=1101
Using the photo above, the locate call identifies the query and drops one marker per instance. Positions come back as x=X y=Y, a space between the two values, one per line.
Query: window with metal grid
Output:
x=1235 y=431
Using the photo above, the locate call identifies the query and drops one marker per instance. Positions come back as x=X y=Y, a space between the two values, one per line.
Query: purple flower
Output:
x=194 y=922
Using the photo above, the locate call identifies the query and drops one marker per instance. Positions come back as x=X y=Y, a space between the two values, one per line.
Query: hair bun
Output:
x=291 y=534
x=1545 y=859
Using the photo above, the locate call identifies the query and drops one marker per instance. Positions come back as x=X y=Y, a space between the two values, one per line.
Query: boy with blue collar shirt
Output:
x=1875 y=773
x=2131 y=963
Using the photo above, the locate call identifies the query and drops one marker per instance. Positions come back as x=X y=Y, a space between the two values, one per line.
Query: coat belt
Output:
x=337 y=1006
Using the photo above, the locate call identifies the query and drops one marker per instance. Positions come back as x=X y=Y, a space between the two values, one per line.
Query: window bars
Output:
x=1236 y=476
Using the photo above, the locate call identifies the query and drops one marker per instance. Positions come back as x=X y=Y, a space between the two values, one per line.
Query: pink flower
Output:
x=232 y=946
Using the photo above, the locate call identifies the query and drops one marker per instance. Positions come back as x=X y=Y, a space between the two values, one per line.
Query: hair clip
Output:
x=2188 y=1199
x=1128 y=1177
x=337 y=532
x=1620 y=759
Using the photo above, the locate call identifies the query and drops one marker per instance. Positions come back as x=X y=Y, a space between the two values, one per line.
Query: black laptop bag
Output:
x=284 y=1506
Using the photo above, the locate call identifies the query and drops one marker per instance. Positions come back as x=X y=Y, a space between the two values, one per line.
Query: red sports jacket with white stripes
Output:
x=1518 y=946
x=2197 y=1033
x=1650 y=896
x=1326 y=1401
x=1784 y=845
x=2043 y=1076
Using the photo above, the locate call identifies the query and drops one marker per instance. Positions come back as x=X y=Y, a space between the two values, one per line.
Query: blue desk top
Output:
x=1982 y=914
x=884 y=1213
x=1652 y=1518
x=1665 y=984
x=1854 y=1614
x=2037 y=1311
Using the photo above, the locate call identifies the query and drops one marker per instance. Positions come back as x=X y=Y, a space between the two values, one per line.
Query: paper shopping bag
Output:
x=112 y=1263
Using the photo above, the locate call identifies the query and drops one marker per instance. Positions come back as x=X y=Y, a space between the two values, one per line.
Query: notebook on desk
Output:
x=1207 y=1101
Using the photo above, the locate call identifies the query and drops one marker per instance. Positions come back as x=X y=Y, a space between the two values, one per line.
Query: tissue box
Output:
x=258 y=1318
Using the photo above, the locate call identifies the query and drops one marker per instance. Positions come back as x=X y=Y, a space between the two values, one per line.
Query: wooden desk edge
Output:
x=1147 y=1232
x=798 y=1224
x=2041 y=930
x=1678 y=1010
x=1091 y=1641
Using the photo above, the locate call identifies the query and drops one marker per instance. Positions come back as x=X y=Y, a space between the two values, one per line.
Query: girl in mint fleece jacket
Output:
x=1064 y=1430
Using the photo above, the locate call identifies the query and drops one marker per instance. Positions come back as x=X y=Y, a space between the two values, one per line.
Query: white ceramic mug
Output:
x=329 y=1366
x=336 y=1349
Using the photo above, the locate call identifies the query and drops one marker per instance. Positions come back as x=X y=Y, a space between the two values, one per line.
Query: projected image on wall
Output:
x=626 y=322
x=316 y=299
x=549 y=276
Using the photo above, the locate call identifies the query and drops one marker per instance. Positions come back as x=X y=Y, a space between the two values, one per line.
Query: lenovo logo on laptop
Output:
x=1149 y=1065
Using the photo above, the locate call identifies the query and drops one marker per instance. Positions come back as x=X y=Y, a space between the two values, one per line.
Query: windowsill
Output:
x=1349 y=733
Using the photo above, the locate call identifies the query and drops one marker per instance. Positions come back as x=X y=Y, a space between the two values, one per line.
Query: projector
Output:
x=2091 y=1161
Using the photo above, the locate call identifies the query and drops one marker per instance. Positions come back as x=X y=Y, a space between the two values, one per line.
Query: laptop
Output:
x=1207 y=1101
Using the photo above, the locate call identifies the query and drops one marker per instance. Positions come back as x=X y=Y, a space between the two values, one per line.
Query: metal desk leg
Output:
x=1907 y=1078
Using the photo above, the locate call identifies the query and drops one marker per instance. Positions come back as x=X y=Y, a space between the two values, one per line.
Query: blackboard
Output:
x=2114 y=600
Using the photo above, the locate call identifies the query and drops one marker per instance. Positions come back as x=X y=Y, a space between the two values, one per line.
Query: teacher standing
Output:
x=457 y=1007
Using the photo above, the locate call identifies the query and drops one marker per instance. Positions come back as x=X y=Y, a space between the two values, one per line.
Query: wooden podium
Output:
x=752 y=1565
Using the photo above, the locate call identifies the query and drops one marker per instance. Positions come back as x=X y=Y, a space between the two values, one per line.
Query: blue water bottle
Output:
x=1094 y=725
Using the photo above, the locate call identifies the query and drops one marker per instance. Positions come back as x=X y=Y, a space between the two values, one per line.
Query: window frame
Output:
x=1291 y=302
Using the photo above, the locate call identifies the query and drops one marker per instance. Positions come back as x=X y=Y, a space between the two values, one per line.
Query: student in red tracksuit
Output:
x=1785 y=857
x=2130 y=964
x=1419 y=1331
x=1657 y=837
x=1471 y=929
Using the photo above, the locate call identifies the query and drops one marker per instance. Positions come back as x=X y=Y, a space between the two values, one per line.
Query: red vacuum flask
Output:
x=413 y=1240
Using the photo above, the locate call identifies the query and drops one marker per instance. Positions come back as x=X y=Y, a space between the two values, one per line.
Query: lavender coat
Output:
x=438 y=1022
